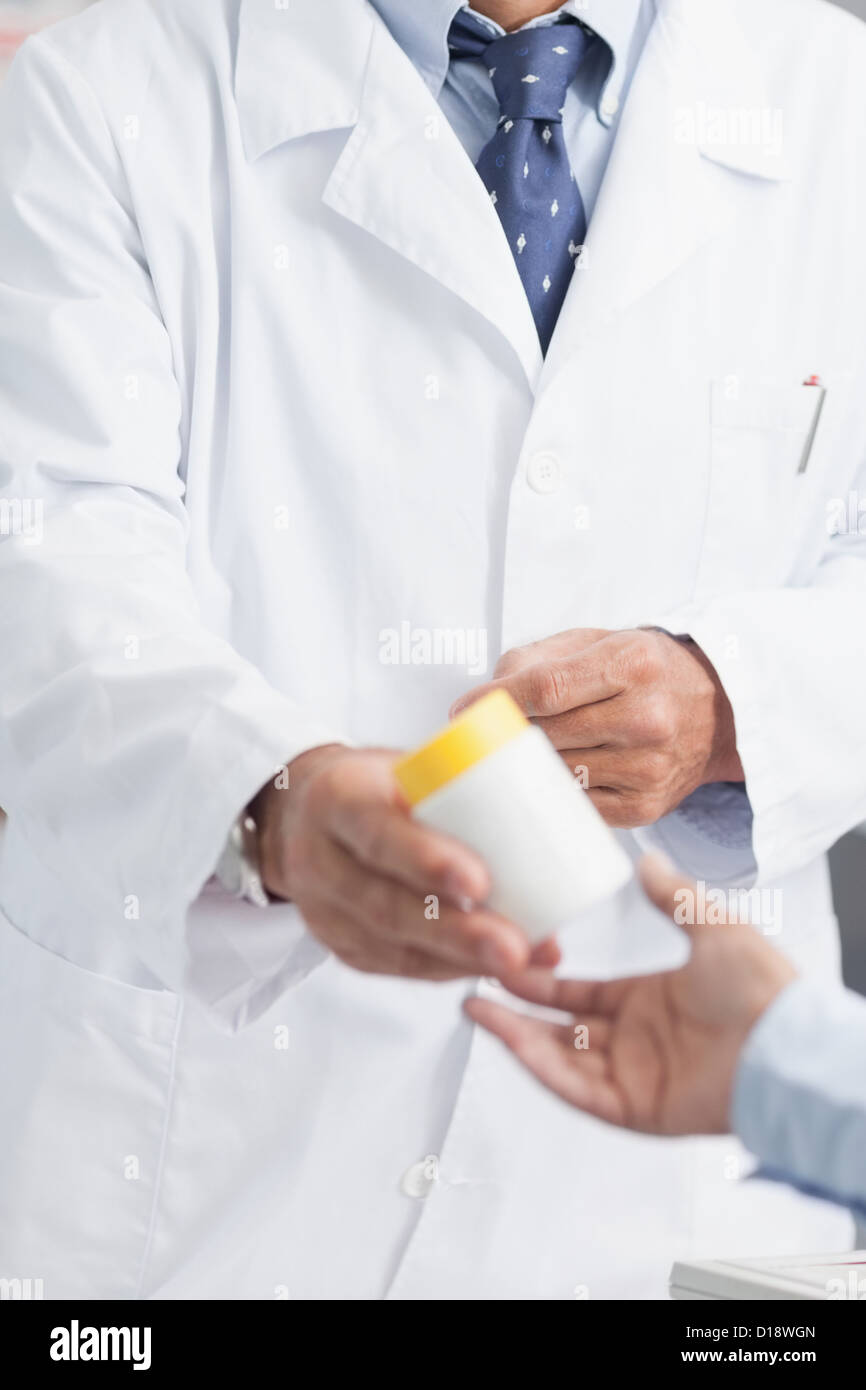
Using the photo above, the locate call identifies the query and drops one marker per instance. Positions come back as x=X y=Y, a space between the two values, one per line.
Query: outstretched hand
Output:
x=655 y=1053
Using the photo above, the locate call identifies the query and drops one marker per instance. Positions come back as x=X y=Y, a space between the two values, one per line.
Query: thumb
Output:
x=471 y=696
x=667 y=888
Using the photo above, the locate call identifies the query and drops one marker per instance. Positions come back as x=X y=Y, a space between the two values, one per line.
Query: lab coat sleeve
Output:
x=799 y=1100
x=792 y=662
x=132 y=735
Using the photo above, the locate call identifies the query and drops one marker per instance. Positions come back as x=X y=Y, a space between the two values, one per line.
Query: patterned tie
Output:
x=525 y=165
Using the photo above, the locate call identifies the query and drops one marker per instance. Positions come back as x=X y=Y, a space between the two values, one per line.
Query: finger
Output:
x=597 y=997
x=561 y=644
x=672 y=893
x=479 y=941
x=614 y=769
x=388 y=840
x=550 y=687
x=541 y=1050
x=623 y=810
x=638 y=718
x=339 y=932
x=588 y=727
x=546 y=954
x=590 y=1035
x=553 y=687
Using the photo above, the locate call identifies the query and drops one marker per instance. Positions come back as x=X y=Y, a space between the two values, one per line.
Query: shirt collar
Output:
x=615 y=21
x=421 y=29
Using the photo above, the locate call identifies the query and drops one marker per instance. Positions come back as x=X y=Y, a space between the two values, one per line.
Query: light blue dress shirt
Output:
x=465 y=92
x=800 y=1092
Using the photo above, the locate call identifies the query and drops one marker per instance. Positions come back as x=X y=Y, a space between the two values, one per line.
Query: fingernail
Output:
x=460 y=890
x=495 y=958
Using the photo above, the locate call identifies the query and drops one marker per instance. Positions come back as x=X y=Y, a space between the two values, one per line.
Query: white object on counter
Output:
x=833 y=1278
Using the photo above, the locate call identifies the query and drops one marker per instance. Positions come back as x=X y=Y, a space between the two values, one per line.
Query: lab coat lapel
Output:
x=299 y=69
x=406 y=179
x=698 y=91
x=403 y=175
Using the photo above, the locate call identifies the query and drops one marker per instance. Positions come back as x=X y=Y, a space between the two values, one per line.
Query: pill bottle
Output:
x=495 y=781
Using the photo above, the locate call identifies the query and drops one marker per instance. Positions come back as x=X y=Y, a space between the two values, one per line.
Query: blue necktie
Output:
x=525 y=166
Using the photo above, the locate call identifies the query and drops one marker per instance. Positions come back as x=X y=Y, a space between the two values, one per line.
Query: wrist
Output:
x=724 y=764
x=305 y=765
x=273 y=810
x=292 y=776
x=723 y=760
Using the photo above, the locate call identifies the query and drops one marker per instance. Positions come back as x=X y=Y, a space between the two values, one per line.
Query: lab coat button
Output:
x=418 y=1180
x=610 y=104
x=543 y=473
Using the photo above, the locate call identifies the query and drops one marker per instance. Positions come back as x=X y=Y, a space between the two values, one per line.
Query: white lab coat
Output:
x=269 y=370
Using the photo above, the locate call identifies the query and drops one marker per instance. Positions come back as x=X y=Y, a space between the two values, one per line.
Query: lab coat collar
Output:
x=422 y=32
x=299 y=68
x=405 y=178
x=322 y=65
x=402 y=175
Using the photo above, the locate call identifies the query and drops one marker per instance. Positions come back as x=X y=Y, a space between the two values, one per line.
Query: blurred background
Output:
x=18 y=18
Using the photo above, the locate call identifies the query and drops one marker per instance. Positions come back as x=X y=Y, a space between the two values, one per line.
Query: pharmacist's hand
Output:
x=379 y=890
x=640 y=717
x=660 y=1051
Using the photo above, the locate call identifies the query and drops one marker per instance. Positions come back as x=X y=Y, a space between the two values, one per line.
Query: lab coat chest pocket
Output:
x=758 y=437
x=84 y=1109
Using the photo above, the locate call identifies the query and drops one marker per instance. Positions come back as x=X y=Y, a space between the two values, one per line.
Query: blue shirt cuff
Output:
x=799 y=1098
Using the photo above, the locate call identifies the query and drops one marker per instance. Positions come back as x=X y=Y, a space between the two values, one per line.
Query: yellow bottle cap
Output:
x=492 y=721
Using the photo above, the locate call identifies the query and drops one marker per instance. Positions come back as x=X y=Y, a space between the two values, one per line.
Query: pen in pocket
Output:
x=815 y=382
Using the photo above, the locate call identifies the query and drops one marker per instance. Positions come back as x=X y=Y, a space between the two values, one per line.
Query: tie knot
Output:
x=533 y=69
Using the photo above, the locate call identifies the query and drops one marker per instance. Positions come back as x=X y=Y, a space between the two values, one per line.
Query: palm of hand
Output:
x=669 y=1067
